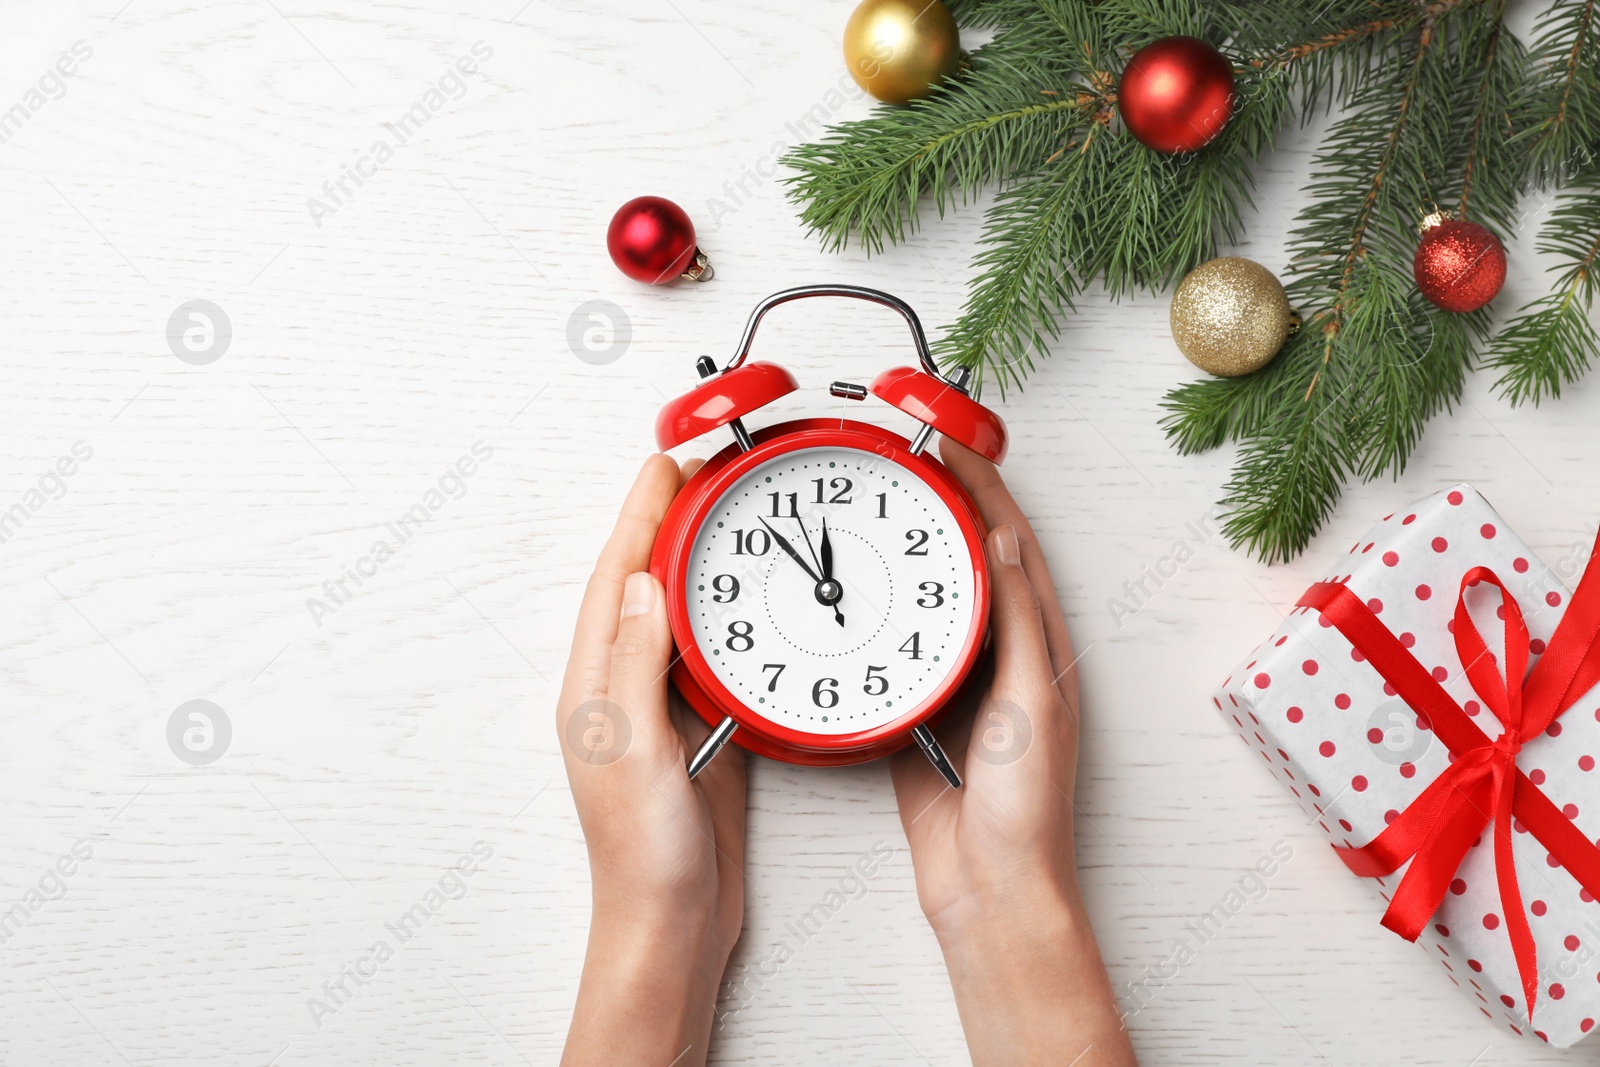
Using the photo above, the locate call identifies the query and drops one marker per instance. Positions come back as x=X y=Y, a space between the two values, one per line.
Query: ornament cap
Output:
x=699 y=268
x=945 y=408
x=721 y=399
x=1434 y=218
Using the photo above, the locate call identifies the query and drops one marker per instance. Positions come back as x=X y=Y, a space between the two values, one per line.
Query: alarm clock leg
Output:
x=930 y=748
x=711 y=746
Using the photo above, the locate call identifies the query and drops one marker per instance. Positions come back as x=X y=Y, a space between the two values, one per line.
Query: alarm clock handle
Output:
x=711 y=746
x=856 y=292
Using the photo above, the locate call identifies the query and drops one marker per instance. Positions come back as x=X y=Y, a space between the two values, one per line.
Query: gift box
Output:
x=1470 y=804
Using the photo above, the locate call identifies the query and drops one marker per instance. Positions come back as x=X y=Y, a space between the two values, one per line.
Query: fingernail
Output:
x=1005 y=545
x=638 y=595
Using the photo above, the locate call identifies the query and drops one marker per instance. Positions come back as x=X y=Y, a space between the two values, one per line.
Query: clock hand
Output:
x=825 y=561
x=783 y=543
x=802 y=524
x=828 y=592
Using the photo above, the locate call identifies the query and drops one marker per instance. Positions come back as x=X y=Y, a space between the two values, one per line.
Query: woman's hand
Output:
x=666 y=855
x=994 y=859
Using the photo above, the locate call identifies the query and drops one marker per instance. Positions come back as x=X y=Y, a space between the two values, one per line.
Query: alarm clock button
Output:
x=718 y=401
x=945 y=408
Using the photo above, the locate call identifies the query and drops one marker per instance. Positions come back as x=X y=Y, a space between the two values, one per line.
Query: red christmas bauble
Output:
x=1176 y=94
x=1459 y=265
x=652 y=240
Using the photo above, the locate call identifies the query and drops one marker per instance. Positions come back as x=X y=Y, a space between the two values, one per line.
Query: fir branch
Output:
x=983 y=13
x=1024 y=96
x=1562 y=109
x=1334 y=61
x=1284 y=488
x=1439 y=99
x=1350 y=170
x=1551 y=341
x=866 y=179
x=1208 y=412
x=1336 y=39
x=1420 y=356
x=1495 y=168
x=1139 y=220
x=1376 y=362
x=1286 y=484
x=1376 y=187
x=1025 y=270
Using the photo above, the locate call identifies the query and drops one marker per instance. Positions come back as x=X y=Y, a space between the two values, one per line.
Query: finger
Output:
x=637 y=686
x=917 y=788
x=997 y=507
x=691 y=467
x=1022 y=700
x=627 y=550
x=1022 y=665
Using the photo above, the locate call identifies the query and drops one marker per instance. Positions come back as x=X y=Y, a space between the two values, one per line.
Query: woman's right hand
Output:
x=994 y=859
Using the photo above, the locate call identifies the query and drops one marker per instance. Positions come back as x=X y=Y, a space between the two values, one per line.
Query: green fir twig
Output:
x=1439 y=103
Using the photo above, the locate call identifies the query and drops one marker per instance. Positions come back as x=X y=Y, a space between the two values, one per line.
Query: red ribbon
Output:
x=1482 y=785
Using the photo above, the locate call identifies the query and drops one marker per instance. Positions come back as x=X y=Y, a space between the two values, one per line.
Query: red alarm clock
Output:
x=825 y=578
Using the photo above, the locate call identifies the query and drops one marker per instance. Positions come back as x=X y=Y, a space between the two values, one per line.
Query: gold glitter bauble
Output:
x=1230 y=316
x=898 y=50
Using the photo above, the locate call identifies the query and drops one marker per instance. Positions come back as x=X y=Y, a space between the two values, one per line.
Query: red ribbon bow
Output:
x=1482 y=785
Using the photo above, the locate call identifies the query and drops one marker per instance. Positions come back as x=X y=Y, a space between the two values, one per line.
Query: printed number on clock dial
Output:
x=830 y=590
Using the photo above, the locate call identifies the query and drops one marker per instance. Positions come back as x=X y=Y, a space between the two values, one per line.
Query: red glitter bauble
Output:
x=1459 y=265
x=1176 y=94
x=652 y=240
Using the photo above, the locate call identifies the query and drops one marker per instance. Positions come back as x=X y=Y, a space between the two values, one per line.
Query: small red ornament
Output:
x=1176 y=94
x=652 y=240
x=1459 y=265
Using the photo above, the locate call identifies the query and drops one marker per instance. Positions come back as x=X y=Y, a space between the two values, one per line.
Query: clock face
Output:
x=830 y=590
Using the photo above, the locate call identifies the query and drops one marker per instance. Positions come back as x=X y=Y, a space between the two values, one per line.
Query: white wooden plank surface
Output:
x=429 y=312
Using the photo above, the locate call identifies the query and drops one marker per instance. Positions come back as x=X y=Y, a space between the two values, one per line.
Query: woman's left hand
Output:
x=666 y=854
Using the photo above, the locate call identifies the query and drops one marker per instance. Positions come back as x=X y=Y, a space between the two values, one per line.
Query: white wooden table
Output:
x=374 y=341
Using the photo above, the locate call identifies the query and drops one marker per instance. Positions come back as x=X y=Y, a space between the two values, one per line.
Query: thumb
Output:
x=1023 y=690
x=640 y=657
x=1022 y=657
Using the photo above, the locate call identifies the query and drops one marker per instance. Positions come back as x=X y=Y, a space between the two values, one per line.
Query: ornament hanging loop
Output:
x=699 y=268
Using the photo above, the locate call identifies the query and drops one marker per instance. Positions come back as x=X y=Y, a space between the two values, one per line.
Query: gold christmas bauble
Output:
x=1230 y=316
x=898 y=50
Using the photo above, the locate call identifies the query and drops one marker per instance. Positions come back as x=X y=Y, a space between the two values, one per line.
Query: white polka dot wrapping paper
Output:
x=1355 y=755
